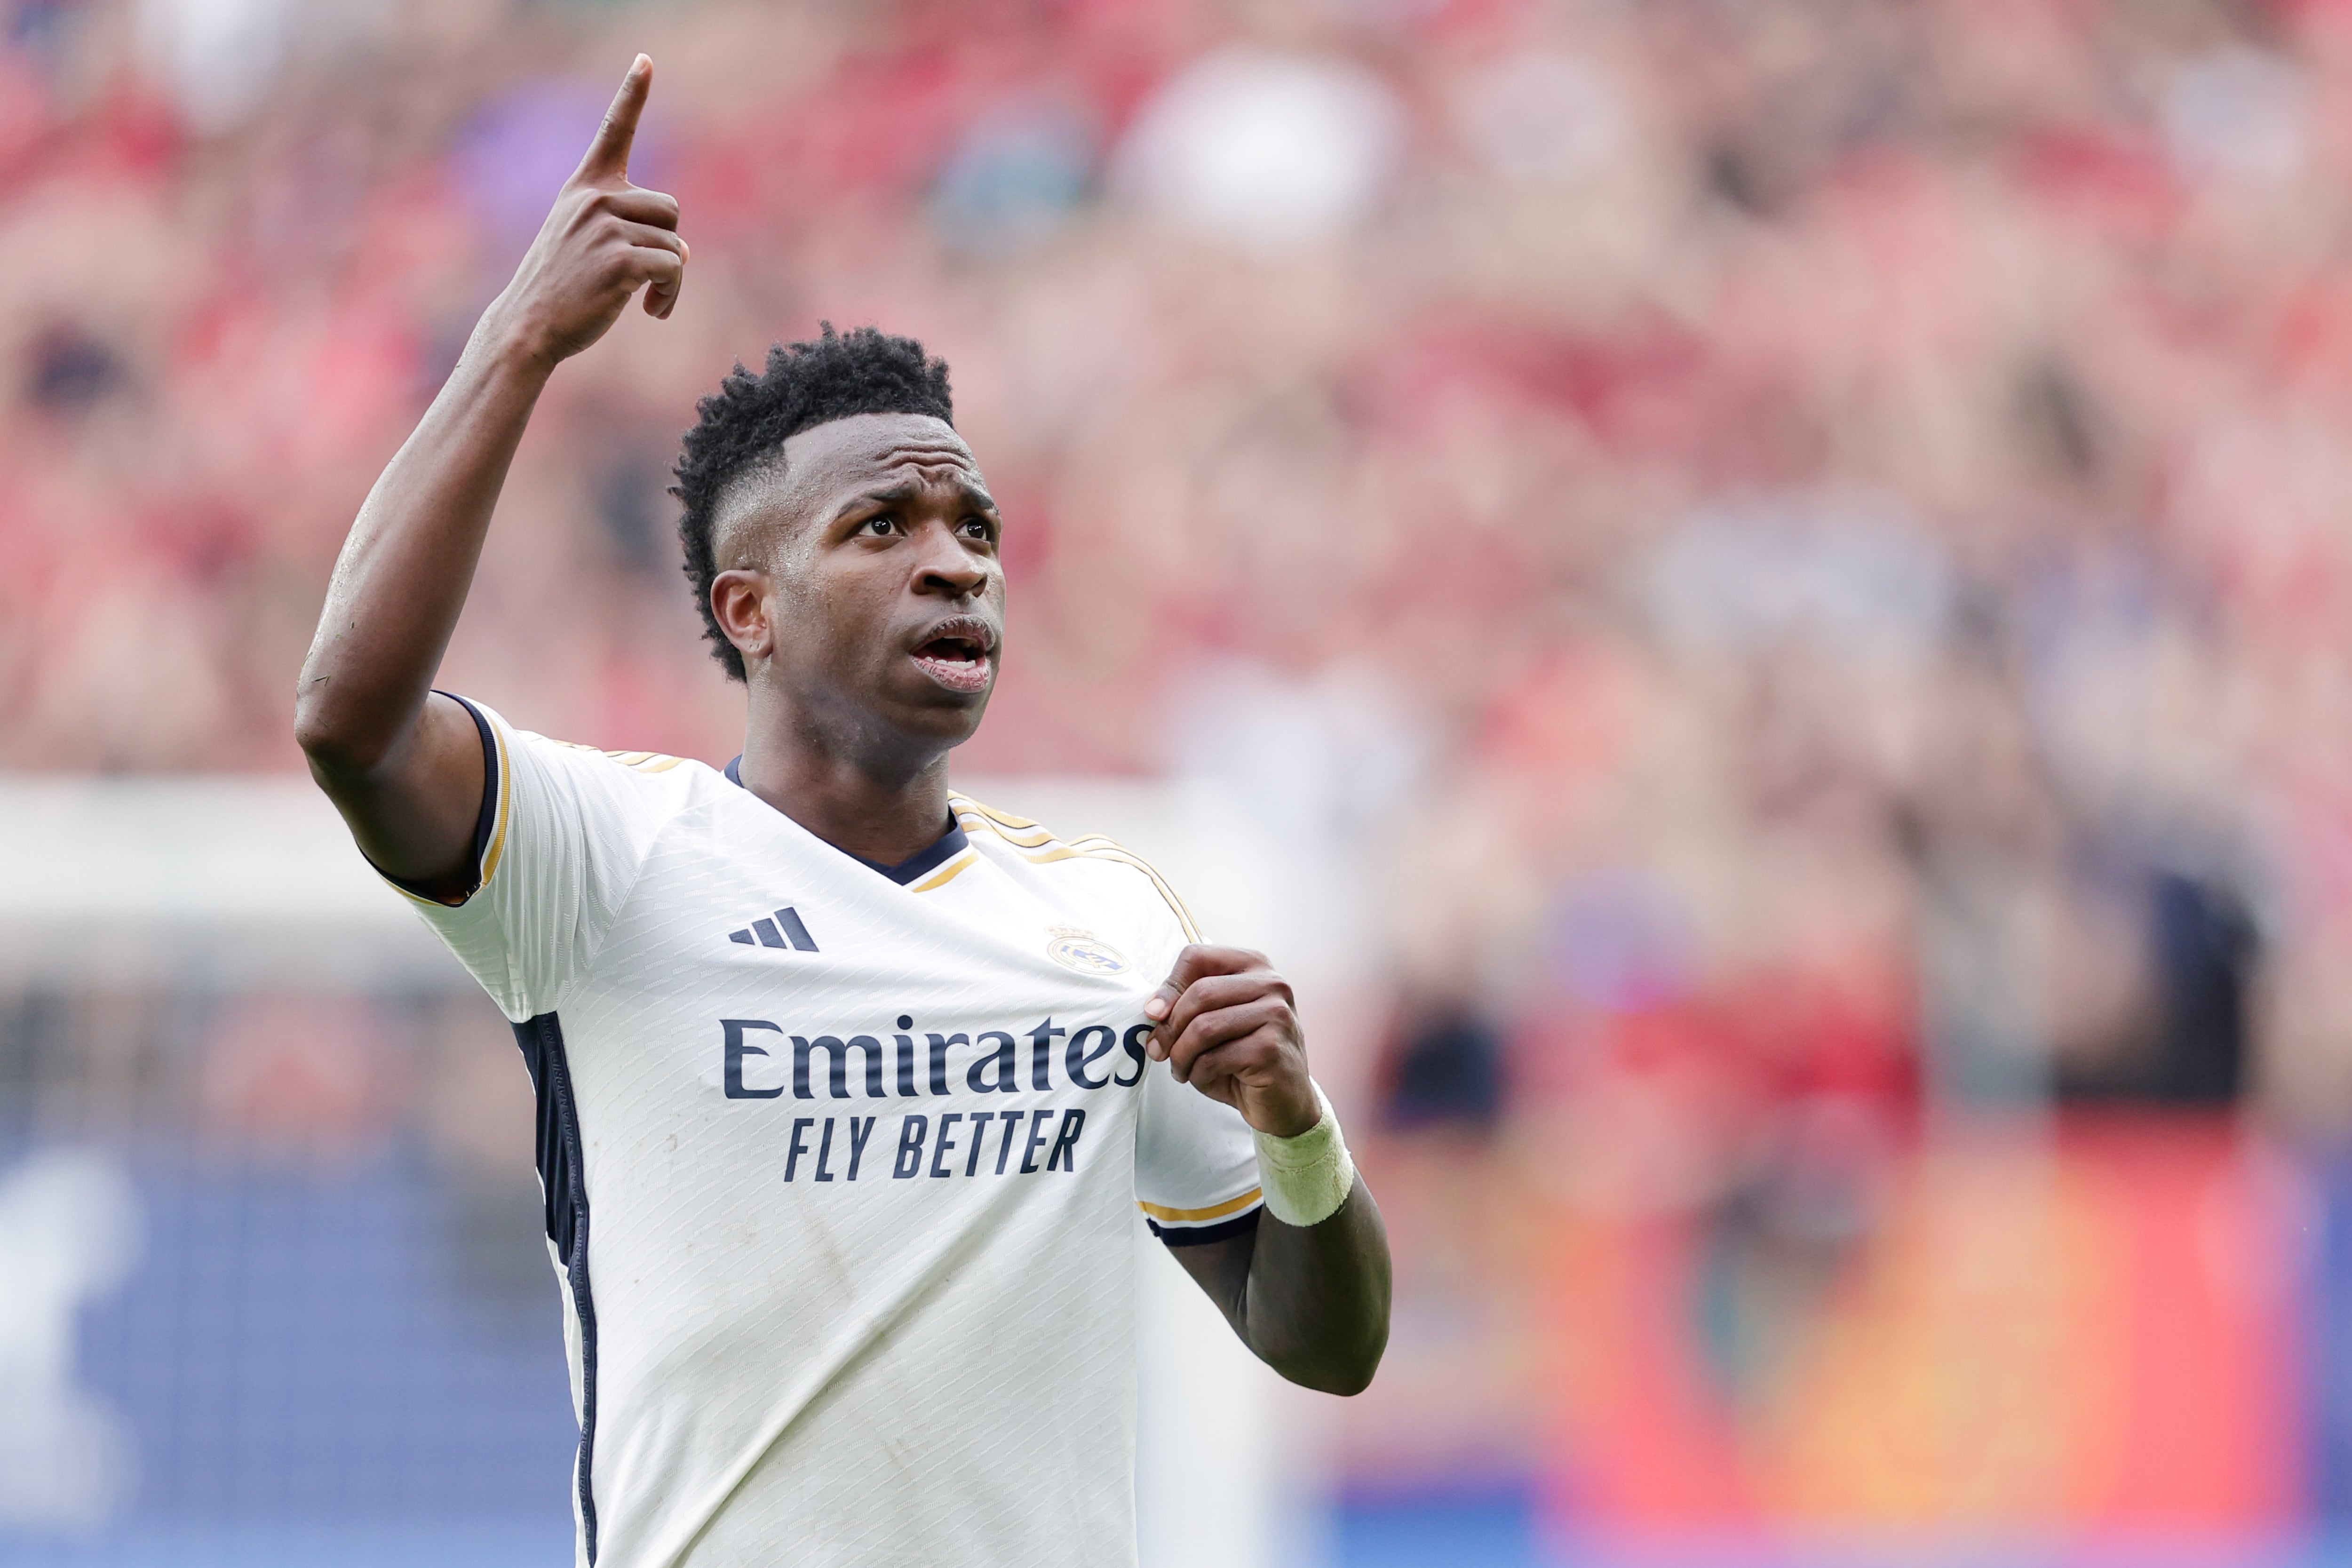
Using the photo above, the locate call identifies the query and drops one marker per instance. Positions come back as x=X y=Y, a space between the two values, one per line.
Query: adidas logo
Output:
x=783 y=929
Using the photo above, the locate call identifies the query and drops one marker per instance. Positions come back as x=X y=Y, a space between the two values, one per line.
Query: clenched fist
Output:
x=1227 y=1024
x=605 y=239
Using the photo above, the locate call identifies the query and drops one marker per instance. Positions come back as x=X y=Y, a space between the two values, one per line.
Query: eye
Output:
x=879 y=526
x=979 y=528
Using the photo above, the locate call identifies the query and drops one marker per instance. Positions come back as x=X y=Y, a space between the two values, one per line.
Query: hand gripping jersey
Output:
x=837 y=1162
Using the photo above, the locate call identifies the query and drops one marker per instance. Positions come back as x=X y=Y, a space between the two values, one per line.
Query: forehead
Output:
x=827 y=466
x=869 y=448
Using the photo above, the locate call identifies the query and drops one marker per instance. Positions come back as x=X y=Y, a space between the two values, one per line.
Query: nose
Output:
x=951 y=570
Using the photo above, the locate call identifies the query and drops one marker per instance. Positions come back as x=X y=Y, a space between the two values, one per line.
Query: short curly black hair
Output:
x=740 y=427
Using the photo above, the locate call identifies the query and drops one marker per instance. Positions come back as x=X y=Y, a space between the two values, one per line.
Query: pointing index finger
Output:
x=608 y=152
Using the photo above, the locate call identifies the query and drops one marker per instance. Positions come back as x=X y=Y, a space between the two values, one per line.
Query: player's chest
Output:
x=801 y=984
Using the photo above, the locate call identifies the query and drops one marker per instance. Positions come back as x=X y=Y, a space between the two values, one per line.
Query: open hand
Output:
x=1228 y=1025
x=605 y=239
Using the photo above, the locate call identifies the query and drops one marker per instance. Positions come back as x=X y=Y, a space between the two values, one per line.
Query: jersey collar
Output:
x=949 y=847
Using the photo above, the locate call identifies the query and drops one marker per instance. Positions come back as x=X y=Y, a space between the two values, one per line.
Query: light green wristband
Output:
x=1307 y=1178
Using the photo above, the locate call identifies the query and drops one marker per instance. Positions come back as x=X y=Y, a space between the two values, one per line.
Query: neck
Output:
x=873 y=795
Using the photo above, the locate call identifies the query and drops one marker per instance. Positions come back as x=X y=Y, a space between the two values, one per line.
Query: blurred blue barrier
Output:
x=361 y=1367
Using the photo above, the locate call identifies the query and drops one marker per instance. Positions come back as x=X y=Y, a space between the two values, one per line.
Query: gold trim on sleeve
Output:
x=1195 y=1216
x=506 y=802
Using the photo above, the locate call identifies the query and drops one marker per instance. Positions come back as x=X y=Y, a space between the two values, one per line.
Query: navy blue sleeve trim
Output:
x=486 y=819
x=562 y=1178
x=1201 y=1235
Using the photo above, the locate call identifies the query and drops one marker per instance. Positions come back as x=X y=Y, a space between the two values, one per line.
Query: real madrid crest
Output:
x=1074 y=947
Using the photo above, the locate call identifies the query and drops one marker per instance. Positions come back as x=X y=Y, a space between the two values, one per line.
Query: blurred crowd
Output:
x=1801 y=542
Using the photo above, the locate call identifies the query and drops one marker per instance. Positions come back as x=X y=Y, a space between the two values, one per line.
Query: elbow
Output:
x=338 y=749
x=1356 y=1374
x=314 y=732
x=322 y=739
x=1345 y=1385
x=1345 y=1370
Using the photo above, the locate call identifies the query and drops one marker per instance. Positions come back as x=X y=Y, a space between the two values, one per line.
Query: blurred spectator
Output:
x=1445 y=1069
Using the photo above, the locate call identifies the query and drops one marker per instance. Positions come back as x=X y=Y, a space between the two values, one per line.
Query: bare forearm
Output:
x=405 y=568
x=407 y=771
x=1311 y=1301
x=410 y=558
x=1315 y=1305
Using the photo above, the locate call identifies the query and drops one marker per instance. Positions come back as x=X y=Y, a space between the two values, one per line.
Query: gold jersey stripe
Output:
x=1100 y=848
x=505 y=799
x=969 y=819
x=947 y=873
x=1106 y=850
x=1195 y=1216
x=1002 y=819
x=1058 y=852
x=1044 y=849
x=412 y=897
x=643 y=762
x=498 y=846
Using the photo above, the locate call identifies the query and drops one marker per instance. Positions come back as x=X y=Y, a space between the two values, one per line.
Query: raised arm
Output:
x=405 y=767
x=1309 y=1301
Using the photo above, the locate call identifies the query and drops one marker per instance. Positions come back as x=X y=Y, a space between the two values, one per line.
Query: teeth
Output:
x=959 y=647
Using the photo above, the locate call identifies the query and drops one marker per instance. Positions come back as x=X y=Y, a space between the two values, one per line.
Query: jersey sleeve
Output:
x=1195 y=1159
x=563 y=833
x=1195 y=1164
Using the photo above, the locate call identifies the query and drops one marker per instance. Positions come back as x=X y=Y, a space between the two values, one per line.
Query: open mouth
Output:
x=958 y=658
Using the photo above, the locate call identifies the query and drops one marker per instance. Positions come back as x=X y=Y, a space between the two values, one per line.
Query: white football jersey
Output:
x=837 y=1160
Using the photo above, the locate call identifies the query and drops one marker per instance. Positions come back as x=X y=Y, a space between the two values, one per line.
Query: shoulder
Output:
x=531 y=747
x=648 y=774
x=1111 y=865
x=537 y=776
x=641 y=765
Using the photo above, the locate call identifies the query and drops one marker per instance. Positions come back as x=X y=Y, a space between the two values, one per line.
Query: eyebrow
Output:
x=910 y=489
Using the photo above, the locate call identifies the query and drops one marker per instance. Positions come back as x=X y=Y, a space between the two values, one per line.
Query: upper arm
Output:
x=551 y=851
x=414 y=814
x=1196 y=1180
x=1221 y=1269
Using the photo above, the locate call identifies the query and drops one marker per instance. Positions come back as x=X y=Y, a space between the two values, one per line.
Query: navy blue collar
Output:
x=907 y=870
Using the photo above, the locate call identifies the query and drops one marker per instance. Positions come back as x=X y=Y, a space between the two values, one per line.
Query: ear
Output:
x=740 y=599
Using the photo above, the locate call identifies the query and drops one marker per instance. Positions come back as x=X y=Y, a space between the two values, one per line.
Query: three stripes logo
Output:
x=782 y=928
